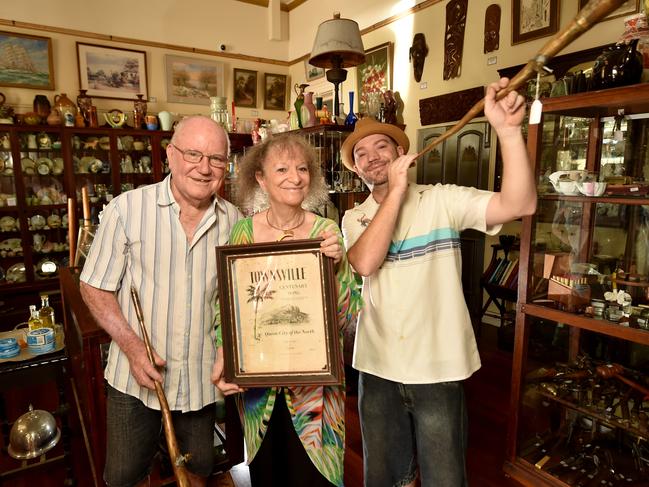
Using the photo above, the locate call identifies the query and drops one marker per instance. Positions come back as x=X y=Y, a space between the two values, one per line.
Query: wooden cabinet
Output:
x=580 y=388
x=40 y=168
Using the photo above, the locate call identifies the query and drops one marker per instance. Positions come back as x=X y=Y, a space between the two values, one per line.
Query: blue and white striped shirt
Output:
x=141 y=243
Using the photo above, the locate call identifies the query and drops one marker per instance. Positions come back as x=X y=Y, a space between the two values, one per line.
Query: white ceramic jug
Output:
x=166 y=120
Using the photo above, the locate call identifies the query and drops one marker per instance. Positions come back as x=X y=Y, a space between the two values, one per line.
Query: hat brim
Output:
x=369 y=126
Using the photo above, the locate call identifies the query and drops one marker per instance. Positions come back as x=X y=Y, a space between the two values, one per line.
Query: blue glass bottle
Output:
x=351 y=118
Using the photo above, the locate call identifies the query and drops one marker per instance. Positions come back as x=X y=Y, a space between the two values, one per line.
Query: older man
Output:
x=414 y=343
x=160 y=240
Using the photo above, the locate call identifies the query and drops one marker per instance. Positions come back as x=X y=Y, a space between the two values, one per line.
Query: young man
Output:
x=160 y=239
x=414 y=343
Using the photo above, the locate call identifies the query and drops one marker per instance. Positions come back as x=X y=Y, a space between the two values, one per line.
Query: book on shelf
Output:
x=511 y=269
x=500 y=271
x=512 y=280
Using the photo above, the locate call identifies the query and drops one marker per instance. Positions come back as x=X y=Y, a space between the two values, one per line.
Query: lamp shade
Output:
x=337 y=40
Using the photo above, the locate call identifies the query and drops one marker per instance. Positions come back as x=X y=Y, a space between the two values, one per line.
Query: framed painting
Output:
x=375 y=74
x=274 y=91
x=26 y=61
x=245 y=88
x=533 y=19
x=191 y=80
x=112 y=72
x=627 y=8
x=278 y=314
x=312 y=72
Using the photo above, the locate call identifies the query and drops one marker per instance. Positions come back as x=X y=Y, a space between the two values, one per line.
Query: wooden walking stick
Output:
x=177 y=459
x=594 y=11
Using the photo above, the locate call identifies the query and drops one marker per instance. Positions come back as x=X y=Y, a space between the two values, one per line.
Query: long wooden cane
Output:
x=177 y=459
x=594 y=11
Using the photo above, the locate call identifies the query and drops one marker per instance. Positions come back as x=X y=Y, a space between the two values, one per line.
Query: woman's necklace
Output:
x=288 y=232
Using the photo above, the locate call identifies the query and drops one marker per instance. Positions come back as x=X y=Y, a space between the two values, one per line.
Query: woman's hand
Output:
x=330 y=246
x=226 y=388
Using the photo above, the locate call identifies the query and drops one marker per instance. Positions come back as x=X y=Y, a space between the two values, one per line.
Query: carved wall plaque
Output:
x=492 y=28
x=449 y=107
x=454 y=38
x=417 y=54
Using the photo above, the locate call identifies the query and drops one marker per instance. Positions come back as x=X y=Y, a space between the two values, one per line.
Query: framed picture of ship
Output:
x=26 y=61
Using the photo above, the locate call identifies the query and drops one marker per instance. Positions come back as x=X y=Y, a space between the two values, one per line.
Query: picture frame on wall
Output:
x=533 y=19
x=629 y=7
x=312 y=72
x=26 y=61
x=375 y=74
x=274 y=91
x=112 y=72
x=193 y=80
x=245 y=88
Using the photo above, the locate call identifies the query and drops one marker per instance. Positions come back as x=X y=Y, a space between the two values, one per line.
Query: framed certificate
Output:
x=278 y=314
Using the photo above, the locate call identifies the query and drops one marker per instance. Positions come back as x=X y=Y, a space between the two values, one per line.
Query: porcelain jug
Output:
x=65 y=105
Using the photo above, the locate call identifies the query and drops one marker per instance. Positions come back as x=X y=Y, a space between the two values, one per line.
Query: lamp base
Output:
x=336 y=76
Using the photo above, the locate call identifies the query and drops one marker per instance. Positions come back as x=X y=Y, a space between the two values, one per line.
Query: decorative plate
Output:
x=11 y=244
x=44 y=166
x=47 y=268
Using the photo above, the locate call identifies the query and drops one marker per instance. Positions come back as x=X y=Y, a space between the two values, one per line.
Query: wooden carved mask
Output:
x=417 y=55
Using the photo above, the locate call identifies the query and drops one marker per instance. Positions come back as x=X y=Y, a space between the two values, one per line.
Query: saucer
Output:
x=44 y=165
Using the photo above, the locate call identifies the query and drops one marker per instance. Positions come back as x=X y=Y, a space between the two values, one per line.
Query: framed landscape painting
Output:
x=112 y=72
x=533 y=19
x=191 y=80
x=26 y=61
x=312 y=72
x=274 y=91
x=245 y=88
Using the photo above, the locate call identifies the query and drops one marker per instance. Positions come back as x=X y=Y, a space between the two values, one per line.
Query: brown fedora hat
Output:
x=369 y=126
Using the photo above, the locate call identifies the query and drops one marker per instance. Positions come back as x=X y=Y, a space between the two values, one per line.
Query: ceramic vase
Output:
x=139 y=111
x=42 y=106
x=307 y=114
x=351 y=118
x=84 y=102
x=299 y=101
x=54 y=118
x=166 y=120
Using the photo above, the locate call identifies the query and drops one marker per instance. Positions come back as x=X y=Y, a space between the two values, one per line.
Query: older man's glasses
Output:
x=216 y=161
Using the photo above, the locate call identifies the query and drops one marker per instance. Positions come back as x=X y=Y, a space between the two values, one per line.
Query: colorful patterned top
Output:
x=318 y=412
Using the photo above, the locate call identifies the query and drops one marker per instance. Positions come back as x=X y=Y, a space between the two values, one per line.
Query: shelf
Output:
x=621 y=200
x=604 y=327
x=632 y=99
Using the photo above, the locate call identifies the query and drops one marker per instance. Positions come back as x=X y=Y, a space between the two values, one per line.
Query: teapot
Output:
x=620 y=65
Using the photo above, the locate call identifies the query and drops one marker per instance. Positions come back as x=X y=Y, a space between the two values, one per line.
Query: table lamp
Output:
x=337 y=45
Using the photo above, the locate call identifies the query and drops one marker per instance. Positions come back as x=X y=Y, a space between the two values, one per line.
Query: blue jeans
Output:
x=134 y=432
x=410 y=426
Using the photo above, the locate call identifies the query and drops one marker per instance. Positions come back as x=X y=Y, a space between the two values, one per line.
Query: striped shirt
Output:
x=141 y=243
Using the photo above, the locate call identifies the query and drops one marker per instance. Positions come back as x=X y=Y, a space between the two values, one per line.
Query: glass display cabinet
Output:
x=580 y=388
x=345 y=187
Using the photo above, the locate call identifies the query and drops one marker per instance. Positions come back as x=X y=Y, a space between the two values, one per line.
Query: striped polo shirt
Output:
x=141 y=243
x=415 y=327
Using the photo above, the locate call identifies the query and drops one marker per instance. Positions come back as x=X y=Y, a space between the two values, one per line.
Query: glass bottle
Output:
x=219 y=112
x=351 y=118
x=307 y=111
x=46 y=313
x=299 y=101
x=34 y=321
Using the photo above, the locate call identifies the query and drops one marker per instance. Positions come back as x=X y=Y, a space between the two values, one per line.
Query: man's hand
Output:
x=398 y=174
x=506 y=114
x=226 y=388
x=141 y=368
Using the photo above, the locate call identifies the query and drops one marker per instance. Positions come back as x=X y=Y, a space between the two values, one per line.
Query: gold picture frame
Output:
x=278 y=314
x=28 y=61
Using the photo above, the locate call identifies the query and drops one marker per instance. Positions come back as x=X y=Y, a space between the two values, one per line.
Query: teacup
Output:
x=591 y=188
x=567 y=187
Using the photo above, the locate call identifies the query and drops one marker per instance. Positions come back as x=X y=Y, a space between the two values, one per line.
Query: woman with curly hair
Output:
x=295 y=436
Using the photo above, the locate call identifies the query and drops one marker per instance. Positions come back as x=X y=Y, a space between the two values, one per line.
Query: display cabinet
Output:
x=345 y=188
x=580 y=393
x=40 y=167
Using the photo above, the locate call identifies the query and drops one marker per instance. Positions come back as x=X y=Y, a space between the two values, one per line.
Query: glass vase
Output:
x=351 y=118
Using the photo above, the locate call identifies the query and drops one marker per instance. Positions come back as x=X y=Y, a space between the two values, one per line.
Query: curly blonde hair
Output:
x=249 y=195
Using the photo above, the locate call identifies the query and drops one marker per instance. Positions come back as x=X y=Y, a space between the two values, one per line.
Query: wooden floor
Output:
x=488 y=402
